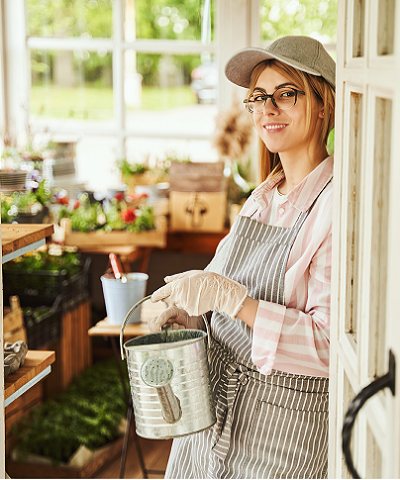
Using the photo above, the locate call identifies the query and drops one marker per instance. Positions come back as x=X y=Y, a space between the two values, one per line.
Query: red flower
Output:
x=63 y=200
x=128 y=215
x=119 y=197
x=77 y=204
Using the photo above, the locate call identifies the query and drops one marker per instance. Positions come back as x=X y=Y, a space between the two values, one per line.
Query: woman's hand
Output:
x=173 y=315
x=198 y=292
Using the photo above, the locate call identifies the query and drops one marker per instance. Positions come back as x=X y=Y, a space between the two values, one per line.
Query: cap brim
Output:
x=238 y=69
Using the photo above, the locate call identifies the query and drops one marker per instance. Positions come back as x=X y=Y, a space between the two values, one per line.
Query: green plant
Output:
x=11 y=152
x=127 y=168
x=88 y=413
x=117 y=215
x=6 y=213
x=68 y=262
x=175 y=157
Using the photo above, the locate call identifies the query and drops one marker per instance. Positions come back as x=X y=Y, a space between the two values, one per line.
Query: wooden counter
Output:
x=17 y=239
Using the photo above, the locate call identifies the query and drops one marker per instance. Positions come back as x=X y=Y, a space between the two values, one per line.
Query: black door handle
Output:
x=367 y=392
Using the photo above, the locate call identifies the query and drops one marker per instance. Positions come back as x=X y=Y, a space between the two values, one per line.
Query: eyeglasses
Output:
x=283 y=98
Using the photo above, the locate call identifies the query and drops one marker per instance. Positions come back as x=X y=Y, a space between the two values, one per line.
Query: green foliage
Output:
x=27 y=201
x=145 y=221
x=70 y=18
x=68 y=262
x=299 y=17
x=172 y=156
x=6 y=217
x=170 y=19
x=127 y=168
x=155 y=19
x=11 y=152
x=84 y=218
x=88 y=413
x=87 y=217
x=331 y=142
x=96 y=103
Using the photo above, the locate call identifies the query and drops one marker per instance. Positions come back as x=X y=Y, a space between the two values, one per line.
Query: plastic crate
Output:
x=45 y=330
x=36 y=288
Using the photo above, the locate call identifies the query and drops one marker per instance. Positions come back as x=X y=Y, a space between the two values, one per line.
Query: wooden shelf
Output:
x=37 y=365
x=17 y=239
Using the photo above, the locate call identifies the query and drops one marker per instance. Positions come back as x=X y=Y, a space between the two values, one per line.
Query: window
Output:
x=133 y=78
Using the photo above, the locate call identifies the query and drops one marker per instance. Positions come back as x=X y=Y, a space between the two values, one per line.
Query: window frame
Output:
x=118 y=46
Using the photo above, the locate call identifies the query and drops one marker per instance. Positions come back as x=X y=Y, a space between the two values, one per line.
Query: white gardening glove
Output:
x=198 y=292
x=173 y=315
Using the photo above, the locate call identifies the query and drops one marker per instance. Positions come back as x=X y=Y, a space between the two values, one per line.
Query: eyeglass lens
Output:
x=283 y=98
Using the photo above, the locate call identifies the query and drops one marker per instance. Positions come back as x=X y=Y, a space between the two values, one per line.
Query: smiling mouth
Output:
x=275 y=127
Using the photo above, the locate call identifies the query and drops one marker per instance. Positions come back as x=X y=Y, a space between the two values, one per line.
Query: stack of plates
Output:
x=63 y=166
x=12 y=180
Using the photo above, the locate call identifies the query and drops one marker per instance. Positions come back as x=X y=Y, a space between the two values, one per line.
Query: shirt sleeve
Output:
x=287 y=336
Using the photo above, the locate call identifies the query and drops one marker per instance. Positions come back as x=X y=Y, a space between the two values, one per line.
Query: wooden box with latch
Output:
x=197 y=211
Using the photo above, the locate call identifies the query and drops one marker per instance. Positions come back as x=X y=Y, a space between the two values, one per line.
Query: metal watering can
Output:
x=169 y=379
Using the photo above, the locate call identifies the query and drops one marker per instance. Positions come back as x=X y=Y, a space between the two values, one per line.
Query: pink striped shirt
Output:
x=294 y=337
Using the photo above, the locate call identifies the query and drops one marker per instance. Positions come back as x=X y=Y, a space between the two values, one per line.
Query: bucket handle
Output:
x=121 y=335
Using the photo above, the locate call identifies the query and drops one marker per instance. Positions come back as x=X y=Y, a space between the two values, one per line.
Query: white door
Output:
x=366 y=257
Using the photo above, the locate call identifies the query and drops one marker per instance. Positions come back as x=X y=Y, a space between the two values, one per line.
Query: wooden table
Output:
x=37 y=365
x=148 y=311
x=17 y=239
x=112 y=332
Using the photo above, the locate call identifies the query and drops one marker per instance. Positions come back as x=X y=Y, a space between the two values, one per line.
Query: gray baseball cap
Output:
x=303 y=53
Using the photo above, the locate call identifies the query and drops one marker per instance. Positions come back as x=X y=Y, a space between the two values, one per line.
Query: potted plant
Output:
x=134 y=174
x=30 y=205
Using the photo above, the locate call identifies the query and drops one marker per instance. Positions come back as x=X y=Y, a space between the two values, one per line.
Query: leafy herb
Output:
x=88 y=413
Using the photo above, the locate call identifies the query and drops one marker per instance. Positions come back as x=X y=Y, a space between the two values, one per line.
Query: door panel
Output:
x=366 y=230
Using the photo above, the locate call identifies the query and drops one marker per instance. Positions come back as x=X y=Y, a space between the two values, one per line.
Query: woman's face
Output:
x=284 y=131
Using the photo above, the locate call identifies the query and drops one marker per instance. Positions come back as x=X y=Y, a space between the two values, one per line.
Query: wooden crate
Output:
x=13 y=322
x=73 y=350
x=197 y=177
x=151 y=238
x=102 y=457
x=198 y=211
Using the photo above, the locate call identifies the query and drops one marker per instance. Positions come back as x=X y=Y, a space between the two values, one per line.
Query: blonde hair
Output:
x=269 y=162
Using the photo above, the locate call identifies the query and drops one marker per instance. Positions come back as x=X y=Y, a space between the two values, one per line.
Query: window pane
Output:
x=95 y=162
x=70 y=18
x=153 y=150
x=166 y=19
x=171 y=96
x=299 y=17
x=71 y=85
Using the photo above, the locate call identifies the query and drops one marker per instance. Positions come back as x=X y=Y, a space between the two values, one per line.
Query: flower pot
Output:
x=147 y=178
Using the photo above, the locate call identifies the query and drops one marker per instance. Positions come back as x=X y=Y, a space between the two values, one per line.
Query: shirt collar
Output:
x=304 y=194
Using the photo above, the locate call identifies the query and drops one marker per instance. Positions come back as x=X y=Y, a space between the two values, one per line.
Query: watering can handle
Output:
x=121 y=335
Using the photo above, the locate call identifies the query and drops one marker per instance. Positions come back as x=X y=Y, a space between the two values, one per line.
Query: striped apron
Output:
x=268 y=426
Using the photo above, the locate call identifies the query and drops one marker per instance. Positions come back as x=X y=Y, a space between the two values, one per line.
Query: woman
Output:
x=269 y=283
